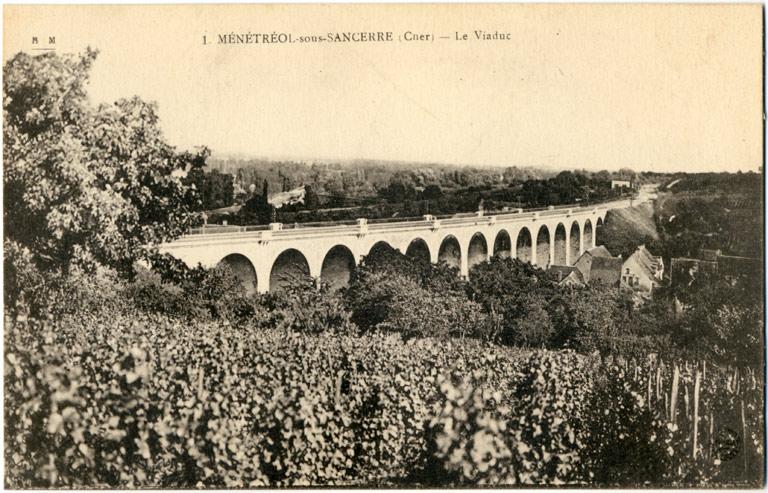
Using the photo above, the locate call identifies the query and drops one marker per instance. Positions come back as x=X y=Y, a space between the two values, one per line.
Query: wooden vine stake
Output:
x=673 y=397
x=711 y=433
x=744 y=436
x=650 y=376
x=696 y=387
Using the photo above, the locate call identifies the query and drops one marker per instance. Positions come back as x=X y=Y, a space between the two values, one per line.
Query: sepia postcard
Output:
x=383 y=246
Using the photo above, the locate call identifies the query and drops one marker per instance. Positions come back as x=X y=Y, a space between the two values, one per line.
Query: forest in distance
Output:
x=126 y=368
x=237 y=191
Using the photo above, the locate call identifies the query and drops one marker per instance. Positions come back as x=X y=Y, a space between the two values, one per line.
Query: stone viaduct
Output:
x=265 y=257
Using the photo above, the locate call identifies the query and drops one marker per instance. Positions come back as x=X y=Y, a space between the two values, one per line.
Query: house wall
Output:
x=645 y=283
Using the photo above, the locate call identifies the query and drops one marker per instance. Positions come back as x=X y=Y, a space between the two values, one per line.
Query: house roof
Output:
x=562 y=271
x=599 y=251
x=647 y=262
x=573 y=278
x=606 y=270
x=295 y=196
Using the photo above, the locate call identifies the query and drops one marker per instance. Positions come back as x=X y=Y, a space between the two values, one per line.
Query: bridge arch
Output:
x=450 y=251
x=243 y=269
x=289 y=267
x=502 y=246
x=561 y=246
x=524 y=245
x=588 y=235
x=574 y=244
x=543 y=245
x=418 y=250
x=477 y=251
x=338 y=265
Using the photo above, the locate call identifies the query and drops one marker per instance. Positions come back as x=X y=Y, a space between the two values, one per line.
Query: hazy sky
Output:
x=653 y=87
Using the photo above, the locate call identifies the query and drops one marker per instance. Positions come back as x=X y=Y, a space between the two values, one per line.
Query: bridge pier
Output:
x=263 y=272
x=551 y=260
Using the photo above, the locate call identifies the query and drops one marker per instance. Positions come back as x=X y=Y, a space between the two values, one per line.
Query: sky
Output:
x=649 y=87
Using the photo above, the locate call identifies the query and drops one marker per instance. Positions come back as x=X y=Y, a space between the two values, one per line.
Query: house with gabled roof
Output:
x=595 y=264
x=606 y=271
x=642 y=271
x=584 y=262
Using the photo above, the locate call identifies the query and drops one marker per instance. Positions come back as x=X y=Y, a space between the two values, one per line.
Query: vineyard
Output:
x=149 y=401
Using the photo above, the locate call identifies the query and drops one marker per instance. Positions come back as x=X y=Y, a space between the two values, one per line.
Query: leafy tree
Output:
x=432 y=192
x=393 y=292
x=216 y=189
x=85 y=185
x=398 y=192
x=258 y=207
x=589 y=318
x=721 y=319
x=311 y=200
x=396 y=302
x=520 y=295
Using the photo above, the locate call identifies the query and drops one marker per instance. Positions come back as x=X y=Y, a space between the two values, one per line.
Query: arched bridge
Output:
x=265 y=258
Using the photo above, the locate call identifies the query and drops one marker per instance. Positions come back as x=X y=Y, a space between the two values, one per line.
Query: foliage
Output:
x=589 y=318
x=304 y=307
x=393 y=292
x=731 y=222
x=216 y=189
x=200 y=294
x=110 y=397
x=721 y=320
x=626 y=442
x=86 y=186
x=520 y=295
x=257 y=208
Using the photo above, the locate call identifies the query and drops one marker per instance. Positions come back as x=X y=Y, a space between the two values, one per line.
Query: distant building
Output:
x=642 y=271
x=621 y=184
x=291 y=197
